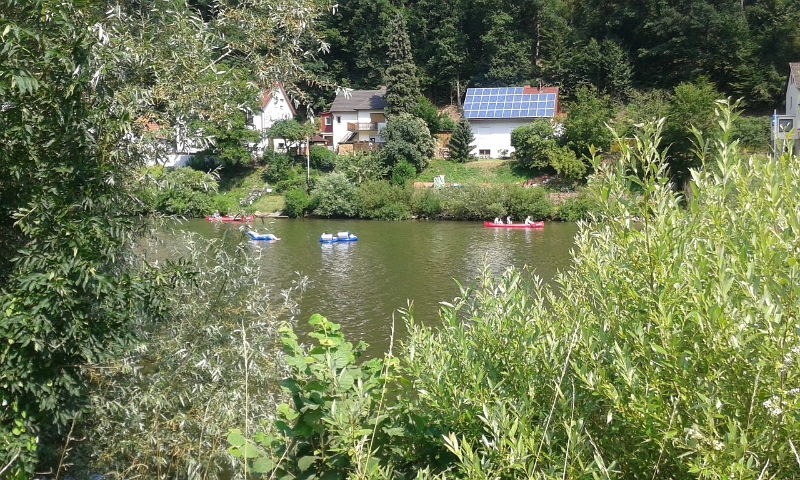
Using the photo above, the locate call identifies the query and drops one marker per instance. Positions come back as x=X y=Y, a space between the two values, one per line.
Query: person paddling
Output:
x=508 y=220
x=528 y=220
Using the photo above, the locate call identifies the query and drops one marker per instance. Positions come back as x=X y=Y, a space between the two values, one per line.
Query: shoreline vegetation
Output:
x=478 y=190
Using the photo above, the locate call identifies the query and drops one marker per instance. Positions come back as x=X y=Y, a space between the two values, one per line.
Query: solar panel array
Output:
x=508 y=102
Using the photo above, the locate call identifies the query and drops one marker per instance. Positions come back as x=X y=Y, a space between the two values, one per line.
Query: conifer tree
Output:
x=402 y=85
x=460 y=142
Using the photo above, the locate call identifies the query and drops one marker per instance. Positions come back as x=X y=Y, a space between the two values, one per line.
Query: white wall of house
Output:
x=277 y=108
x=341 y=119
x=793 y=104
x=494 y=135
x=792 y=99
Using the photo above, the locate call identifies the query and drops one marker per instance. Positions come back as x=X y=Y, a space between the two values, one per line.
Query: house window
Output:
x=338 y=119
x=484 y=153
x=372 y=139
x=281 y=145
x=248 y=118
x=328 y=121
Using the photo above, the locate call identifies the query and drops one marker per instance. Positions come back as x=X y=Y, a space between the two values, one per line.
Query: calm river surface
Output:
x=360 y=284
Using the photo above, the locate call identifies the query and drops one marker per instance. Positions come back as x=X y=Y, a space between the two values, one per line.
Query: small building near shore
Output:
x=494 y=112
x=785 y=127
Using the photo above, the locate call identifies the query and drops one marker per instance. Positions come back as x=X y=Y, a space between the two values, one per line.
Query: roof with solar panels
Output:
x=511 y=102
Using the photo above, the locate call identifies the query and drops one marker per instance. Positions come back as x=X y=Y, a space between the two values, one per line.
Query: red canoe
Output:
x=248 y=218
x=513 y=225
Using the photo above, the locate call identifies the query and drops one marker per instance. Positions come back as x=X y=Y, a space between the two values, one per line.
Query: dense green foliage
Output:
x=402 y=173
x=87 y=89
x=188 y=398
x=361 y=167
x=586 y=123
x=742 y=47
x=181 y=191
x=407 y=138
x=691 y=109
x=321 y=158
x=536 y=146
x=296 y=203
x=460 y=144
x=335 y=423
x=68 y=289
x=383 y=201
x=334 y=196
x=402 y=86
x=670 y=351
x=282 y=171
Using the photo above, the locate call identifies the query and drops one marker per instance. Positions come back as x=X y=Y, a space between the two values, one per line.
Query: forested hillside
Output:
x=742 y=46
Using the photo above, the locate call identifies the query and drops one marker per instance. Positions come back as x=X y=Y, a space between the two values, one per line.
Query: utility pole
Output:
x=308 y=162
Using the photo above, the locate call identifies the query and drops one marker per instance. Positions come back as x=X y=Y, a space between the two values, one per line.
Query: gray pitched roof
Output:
x=794 y=74
x=360 y=100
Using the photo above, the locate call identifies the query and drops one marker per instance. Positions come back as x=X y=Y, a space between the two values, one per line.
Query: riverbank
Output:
x=479 y=190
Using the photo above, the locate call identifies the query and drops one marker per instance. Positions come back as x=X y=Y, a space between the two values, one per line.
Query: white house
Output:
x=784 y=127
x=275 y=106
x=494 y=112
x=357 y=116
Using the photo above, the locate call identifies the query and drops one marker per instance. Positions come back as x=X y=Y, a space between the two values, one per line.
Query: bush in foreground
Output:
x=671 y=351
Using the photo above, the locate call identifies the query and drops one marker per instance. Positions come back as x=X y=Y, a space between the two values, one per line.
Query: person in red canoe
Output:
x=508 y=220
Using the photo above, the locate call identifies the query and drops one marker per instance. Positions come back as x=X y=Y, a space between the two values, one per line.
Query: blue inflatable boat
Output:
x=339 y=237
x=261 y=236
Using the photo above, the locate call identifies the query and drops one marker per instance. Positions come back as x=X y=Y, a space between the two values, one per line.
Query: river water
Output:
x=361 y=284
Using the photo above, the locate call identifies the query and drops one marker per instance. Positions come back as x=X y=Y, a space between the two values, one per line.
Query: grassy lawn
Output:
x=237 y=184
x=266 y=204
x=480 y=171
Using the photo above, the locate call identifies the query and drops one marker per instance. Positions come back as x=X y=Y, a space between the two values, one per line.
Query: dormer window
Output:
x=328 y=120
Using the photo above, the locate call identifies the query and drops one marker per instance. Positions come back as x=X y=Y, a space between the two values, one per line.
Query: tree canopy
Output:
x=402 y=86
x=743 y=48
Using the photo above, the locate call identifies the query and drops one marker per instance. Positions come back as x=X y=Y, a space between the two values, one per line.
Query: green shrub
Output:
x=753 y=133
x=578 y=208
x=225 y=204
x=384 y=201
x=334 y=196
x=427 y=112
x=321 y=158
x=672 y=353
x=536 y=147
x=472 y=203
x=522 y=202
x=425 y=202
x=407 y=138
x=296 y=203
x=336 y=422
x=361 y=167
x=188 y=398
x=186 y=192
x=282 y=171
x=402 y=173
